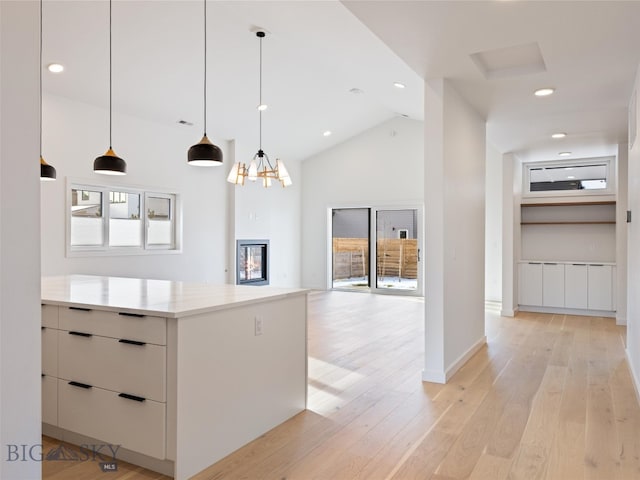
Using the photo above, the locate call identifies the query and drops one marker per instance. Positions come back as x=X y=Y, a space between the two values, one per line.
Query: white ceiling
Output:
x=318 y=50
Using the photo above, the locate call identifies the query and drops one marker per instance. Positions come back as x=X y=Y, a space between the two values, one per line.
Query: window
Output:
x=118 y=220
x=586 y=177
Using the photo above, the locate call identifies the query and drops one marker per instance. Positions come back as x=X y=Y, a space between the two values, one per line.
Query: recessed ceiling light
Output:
x=55 y=68
x=571 y=177
x=559 y=135
x=356 y=91
x=327 y=133
x=262 y=107
x=543 y=92
x=399 y=85
x=564 y=154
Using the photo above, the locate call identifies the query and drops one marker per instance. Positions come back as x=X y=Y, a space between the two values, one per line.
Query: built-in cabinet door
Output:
x=530 y=283
x=553 y=285
x=600 y=287
x=575 y=286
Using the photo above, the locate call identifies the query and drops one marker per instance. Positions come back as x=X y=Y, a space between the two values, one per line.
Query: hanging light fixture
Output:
x=260 y=166
x=47 y=172
x=110 y=163
x=205 y=153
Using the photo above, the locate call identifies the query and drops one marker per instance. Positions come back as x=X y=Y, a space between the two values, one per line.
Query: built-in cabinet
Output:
x=107 y=362
x=567 y=286
x=568 y=256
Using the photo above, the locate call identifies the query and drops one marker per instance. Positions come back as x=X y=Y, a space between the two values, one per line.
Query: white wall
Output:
x=493 y=227
x=621 y=233
x=20 y=367
x=271 y=213
x=633 y=252
x=75 y=133
x=382 y=166
x=511 y=194
x=454 y=180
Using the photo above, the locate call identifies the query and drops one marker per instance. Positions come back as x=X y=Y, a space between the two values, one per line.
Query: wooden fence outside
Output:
x=397 y=257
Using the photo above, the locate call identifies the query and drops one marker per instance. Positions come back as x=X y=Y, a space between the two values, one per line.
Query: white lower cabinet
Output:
x=600 y=287
x=567 y=285
x=530 y=283
x=553 y=285
x=133 y=423
x=49 y=400
x=575 y=286
x=104 y=376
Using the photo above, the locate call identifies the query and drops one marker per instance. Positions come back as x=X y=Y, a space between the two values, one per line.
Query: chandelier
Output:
x=260 y=166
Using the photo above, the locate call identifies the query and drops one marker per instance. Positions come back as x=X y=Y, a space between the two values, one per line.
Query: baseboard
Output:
x=464 y=358
x=436 y=376
x=508 y=313
x=166 y=467
x=568 y=311
x=621 y=320
x=634 y=376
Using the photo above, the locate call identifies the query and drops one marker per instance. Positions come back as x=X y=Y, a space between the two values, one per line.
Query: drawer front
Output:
x=49 y=400
x=49 y=316
x=147 y=329
x=103 y=415
x=50 y=351
x=113 y=365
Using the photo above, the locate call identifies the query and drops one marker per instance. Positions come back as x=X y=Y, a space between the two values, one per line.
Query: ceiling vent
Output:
x=510 y=61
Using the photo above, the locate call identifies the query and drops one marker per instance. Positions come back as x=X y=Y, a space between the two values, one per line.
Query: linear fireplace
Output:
x=252 y=262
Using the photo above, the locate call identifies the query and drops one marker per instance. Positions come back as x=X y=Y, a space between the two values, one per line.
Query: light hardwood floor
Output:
x=549 y=397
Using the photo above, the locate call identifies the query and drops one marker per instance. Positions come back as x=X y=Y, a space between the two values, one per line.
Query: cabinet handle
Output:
x=550 y=263
x=131 y=342
x=42 y=328
x=138 y=315
x=80 y=308
x=81 y=334
x=578 y=264
x=596 y=265
x=131 y=397
x=81 y=385
x=535 y=263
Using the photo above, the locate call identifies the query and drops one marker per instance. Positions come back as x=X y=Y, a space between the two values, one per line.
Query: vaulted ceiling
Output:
x=317 y=52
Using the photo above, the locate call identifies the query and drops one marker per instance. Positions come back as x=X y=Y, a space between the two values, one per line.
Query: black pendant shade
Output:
x=47 y=172
x=204 y=154
x=110 y=164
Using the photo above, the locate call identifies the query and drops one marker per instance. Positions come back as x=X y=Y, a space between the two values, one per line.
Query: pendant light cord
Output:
x=110 y=81
x=205 y=68
x=260 y=95
x=40 y=68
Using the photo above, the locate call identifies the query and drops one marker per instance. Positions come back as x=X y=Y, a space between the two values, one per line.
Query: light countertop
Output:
x=153 y=297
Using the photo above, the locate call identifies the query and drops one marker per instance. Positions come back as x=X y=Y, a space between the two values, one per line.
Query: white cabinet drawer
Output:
x=105 y=416
x=113 y=364
x=49 y=400
x=143 y=328
x=50 y=351
x=49 y=316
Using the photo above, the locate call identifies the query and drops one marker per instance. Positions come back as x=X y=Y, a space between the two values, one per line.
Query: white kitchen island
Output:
x=178 y=374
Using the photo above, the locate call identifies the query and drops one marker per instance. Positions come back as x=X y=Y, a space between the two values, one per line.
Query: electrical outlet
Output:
x=258 y=326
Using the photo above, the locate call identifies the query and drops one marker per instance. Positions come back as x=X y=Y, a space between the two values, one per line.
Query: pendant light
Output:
x=110 y=163
x=260 y=166
x=205 y=153
x=47 y=172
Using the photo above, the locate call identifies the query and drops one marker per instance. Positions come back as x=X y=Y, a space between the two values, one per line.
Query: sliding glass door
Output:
x=377 y=249
x=397 y=250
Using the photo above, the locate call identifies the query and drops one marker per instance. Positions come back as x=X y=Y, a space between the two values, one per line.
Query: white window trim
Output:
x=611 y=179
x=105 y=250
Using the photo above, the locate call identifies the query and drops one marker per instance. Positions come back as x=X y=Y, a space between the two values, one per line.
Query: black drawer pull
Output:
x=42 y=328
x=578 y=264
x=81 y=334
x=42 y=375
x=80 y=308
x=596 y=265
x=132 y=397
x=138 y=315
x=131 y=342
x=81 y=385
